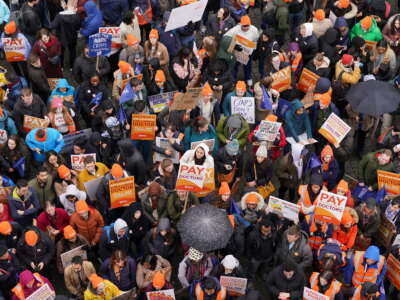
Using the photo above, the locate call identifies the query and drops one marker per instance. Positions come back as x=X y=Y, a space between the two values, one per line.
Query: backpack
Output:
x=107 y=229
x=338 y=88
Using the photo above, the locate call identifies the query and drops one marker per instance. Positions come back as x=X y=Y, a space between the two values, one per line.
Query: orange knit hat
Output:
x=153 y=34
x=245 y=20
x=366 y=23
x=131 y=40
x=95 y=280
x=241 y=86
x=31 y=238
x=124 y=66
x=10 y=27
x=224 y=189
x=69 y=232
x=63 y=171
x=346 y=217
x=327 y=150
x=160 y=76
x=344 y=3
x=343 y=186
x=207 y=91
x=319 y=14
x=158 y=280
x=81 y=206
x=271 y=118
x=5 y=227
x=252 y=199
x=117 y=171
x=325 y=99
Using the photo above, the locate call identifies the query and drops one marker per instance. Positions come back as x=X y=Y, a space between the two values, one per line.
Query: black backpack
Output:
x=338 y=87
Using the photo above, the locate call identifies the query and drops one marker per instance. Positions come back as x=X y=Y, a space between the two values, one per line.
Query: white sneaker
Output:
x=250 y=82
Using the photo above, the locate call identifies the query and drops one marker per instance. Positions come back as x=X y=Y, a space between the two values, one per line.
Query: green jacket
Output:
x=241 y=136
x=223 y=51
x=281 y=16
x=45 y=193
x=175 y=206
x=368 y=167
x=373 y=34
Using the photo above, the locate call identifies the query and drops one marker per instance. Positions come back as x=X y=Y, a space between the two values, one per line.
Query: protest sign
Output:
x=209 y=143
x=284 y=208
x=187 y=100
x=165 y=144
x=282 y=79
x=245 y=107
x=15 y=49
x=386 y=232
x=161 y=295
x=268 y=131
x=235 y=286
x=4 y=192
x=330 y=207
x=77 y=160
x=208 y=184
x=334 y=129
x=53 y=82
x=92 y=186
x=122 y=192
x=159 y=101
x=309 y=294
x=69 y=139
x=33 y=122
x=190 y=177
x=307 y=80
x=99 y=44
x=43 y=293
x=389 y=180
x=302 y=138
x=182 y=15
x=143 y=127
x=115 y=33
x=67 y=257
x=246 y=45
x=393 y=271
x=332 y=17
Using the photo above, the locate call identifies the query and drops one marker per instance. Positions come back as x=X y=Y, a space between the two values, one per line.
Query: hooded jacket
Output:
x=157 y=244
x=67 y=95
x=189 y=156
x=368 y=167
x=7 y=123
x=373 y=34
x=68 y=205
x=93 y=20
x=4 y=12
x=54 y=141
x=15 y=203
x=308 y=44
x=132 y=161
x=295 y=124
x=224 y=77
x=111 y=291
x=147 y=207
x=138 y=227
x=225 y=126
x=111 y=241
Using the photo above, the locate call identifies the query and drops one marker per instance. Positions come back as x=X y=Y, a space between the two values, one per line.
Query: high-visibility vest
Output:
x=221 y=295
x=305 y=197
x=361 y=275
x=333 y=289
x=315 y=242
x=296 y=62
x=19 y=291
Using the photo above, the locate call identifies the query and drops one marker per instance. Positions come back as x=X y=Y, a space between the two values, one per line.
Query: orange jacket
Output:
x=346 y=238
x=333 y=289
x=304 y=196
x=315 y=241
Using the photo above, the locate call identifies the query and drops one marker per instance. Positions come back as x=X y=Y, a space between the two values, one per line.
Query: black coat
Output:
x=308 y=47
x=109 y=242
x=263 y=173
x=86 y=93
x=213 y=28
x=30 y=19
x=224 y=76
x=37 y=109
x=328 y=44
x=84 y=67
x=277 y=282
x=138 y=227
x=67 y=25
x=222 y=158
x=13 y=267
x=259 y=248
x=11 y=240
x=133 y=161
x=39 y=82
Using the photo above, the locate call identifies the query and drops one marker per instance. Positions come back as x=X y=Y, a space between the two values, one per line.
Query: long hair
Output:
x=118 y=255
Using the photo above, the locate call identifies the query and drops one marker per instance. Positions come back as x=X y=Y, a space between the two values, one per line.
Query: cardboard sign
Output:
x=208 y=185
x=91 y=187
x=284 y=208
x=4 y=192
x=241 y=57
x=190 y=177
x=307 y=80
x=33 y=122
x=334 y=129
x=386 y=232
x=159 y=101
x=115 y=33
x=143 y=127
x=393 y=271
x=309 y=294
x=308 y=100
x=181 y=16
x=14 y=49
x=188 y=100
x=268 y=131
x=164 y=143
x=122 y=192
x=389 y=180
x=210 y=143
x=282 y=79
x=53 y=82
x=330 y=207
x=244 y=106
x=99 y=44
x=77 y=160
x=67 y=257
x=161 y=295
x=235 y=286
x=43 y=293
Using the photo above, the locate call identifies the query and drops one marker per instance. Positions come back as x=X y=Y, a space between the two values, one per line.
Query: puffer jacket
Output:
x=110 y=291
x=373 y=34
x=15 y=203
x=90 y=228
x=93 y=20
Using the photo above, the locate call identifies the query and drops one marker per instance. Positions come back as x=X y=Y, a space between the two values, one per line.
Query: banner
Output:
x=161 y=295
x=165 y=144
x=187 y=100
x=334 y=129
x=92 y=186
x=99 y=44
x=268 y=131
x=386 y=232
x=33 y=122
x=208 y=185
x=330 y=207
x=245 y=107
x=210 y=143
x=282 y=79
x=122 y=192
x=77 y=160
x=67 y=257
x=389 y=180
x=235 y=286
x=182 y=15
x=115 y=33
x=393 y=271
x=143 y=127
x=43 y=293
x=284 y=208
x=159 y=101
x=4 y=192
x=309 y=294
x=14 y=49
x=190 y=177
x=307 y=80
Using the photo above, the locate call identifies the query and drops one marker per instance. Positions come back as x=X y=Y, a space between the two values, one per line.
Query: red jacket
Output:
x=276 y=149
x=60 y=221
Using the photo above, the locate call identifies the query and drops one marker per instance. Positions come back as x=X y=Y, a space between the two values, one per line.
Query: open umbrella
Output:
x=373 y=97
x=205 y=228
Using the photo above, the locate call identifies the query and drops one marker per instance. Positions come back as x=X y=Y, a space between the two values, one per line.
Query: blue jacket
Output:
x=113 y=10
x=4 y=12
x=15 y=203
x=54 y=141
x=371 y=253
x=191 y=135
x=171 y=40
x=226 y=108
x=7 y=181
x=7 y=124
x=127 y=277
x=332 y=175
x=93 y=20
x=14 y=90
x=295 y=124
x=62 y=83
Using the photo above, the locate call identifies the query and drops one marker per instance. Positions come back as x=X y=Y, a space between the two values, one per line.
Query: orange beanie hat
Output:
x=160 y=76
x=10 y=27
x=319 y=14
x=327 y=150
x=63 y=171
x=366 y=23
x=346 y=217
x=95 y=280
x=207 y=91
x=224 y=189
x=241 y=86
x=245 y=20
x=153 y=34
x=5 y=227
x=81 y=206
x=69 y=232
x=325 y=99
x=124 y=66
x=343 y=186
x=271 y=118
x=131 y=40
x=117 y=171
x=252 y=199
x=31 y=238
x=344 y=3
x=158 y=280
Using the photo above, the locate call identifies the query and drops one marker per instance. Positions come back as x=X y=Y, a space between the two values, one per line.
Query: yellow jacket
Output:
x=84 y=176
x=349 y=78
x=111 y=291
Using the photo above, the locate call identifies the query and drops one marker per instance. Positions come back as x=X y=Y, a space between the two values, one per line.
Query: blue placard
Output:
x=100 y=44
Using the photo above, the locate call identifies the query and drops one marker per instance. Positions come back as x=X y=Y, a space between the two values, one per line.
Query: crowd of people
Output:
x=57 y=102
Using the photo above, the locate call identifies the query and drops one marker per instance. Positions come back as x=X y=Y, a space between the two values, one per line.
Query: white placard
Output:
x=245 y=107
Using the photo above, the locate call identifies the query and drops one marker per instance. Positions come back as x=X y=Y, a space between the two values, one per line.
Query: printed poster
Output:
x=143 y=127
x=33 y=122
x=115 y=32
x=122 y=192
x=209 y=183
x=268 y=131
x=284 y=208
x=43 y=293
x=190 y=177
x=386 y=232
x=282 y=79
x=309 y=294
x=165 y=144
x=77 y=160
x=247 y=46
x=330 y=207
x=67 y=257
x=334 y=129
x=161 y=295
x=389 y=180
x=210 y=143
x=244 y=106
x=187 y=100
x=159 y=101
x=14 y=49
x=393 y=271
x=180 y=16
x=307 y=80
x=235 y=286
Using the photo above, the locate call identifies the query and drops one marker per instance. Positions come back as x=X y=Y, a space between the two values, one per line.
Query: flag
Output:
x=127 y=94
x=121 y=115
x=313 y=162
x=20 y=166
x=380 y=195
x=97 y=99
x=283 y=107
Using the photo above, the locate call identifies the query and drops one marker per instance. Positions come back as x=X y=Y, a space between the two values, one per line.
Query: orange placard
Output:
x=122 y=192
x=33 y=122
x=389 y=180
x=209 y=184
x=245 y=42
x=14 y=49
x=53 y=83
x=282 y=79
x=190 y=178
x=143 y=127
x=370 y=44
x=307 y=80
x=393 y=271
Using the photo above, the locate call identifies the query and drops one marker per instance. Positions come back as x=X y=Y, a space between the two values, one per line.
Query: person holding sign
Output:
x=210 y=288
x=28 y=284
x=233 y=127
x=266 y=98
x=346 y=232
x=157 y=284
x=200 y=131
x=76 y=276
x=208 y=107
x=160 y=84
x=367 y=291
x=60 y=117
x=326 y=284
x=330 y=167
x=240 y=91
x=229 y=163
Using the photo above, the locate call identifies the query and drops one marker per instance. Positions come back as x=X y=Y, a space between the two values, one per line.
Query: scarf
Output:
x=266 y=100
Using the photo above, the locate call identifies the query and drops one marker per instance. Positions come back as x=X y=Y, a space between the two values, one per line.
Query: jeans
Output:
x=145 y=147
x=247 y=69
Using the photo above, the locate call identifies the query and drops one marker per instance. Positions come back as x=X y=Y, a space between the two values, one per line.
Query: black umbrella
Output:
x=205 y=228
x=373 y=97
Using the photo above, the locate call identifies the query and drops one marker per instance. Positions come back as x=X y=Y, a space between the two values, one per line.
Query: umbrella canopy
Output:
x=205 y=228
x=373 y=97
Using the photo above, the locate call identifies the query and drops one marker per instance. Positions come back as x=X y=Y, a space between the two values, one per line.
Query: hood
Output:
x=331 y=36
x=309 y=29
x=25 y=277
x=323 y=85
x=341 y=22
x=316 y=179
x=259 y=197
x=219 y=65
x=63 y=83
x=296 y=104
x=73 y=190
x=90 y=8
x=372 y=253
x=297 y=149
x=205 y=148
x=119 y=224
x=4 y=116
x=94 y=138
x=327 y=150
x=163 y=224
x=234 y=121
